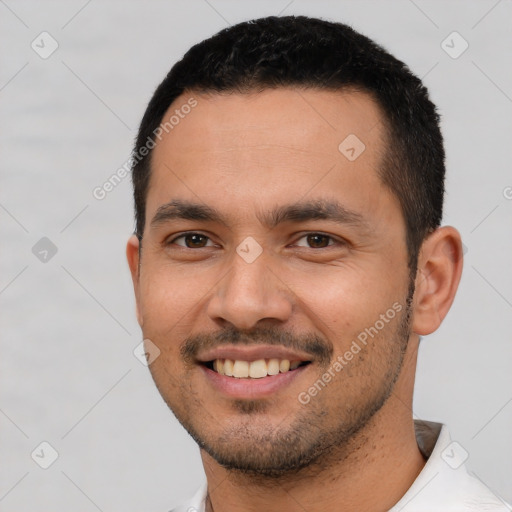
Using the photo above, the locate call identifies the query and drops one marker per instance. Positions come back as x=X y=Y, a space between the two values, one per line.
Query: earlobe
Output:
x=133 y=257
x=439 y=271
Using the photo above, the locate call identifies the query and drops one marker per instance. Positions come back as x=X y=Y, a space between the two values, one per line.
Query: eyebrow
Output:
x=312 y=210
x=179 y=209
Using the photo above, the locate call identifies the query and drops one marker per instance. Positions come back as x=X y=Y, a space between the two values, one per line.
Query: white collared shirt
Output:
x=444 y=484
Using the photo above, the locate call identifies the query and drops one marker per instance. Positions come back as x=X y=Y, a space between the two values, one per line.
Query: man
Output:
x=288 y=182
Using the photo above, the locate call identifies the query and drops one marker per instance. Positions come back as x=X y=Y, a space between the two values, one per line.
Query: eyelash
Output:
x=312 y=233
x=184 y=235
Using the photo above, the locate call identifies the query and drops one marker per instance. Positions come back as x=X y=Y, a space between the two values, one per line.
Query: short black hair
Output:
x=305 y=52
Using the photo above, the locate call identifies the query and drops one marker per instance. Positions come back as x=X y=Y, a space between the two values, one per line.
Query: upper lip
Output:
x=252 y=353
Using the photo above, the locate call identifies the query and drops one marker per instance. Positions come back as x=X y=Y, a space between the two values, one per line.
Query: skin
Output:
x=245 y=155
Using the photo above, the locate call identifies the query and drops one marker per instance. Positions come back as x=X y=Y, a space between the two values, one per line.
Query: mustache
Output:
x=320 y=349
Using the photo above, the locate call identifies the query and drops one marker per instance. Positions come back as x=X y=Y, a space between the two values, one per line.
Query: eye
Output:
x=315 y=241
x=192 y=241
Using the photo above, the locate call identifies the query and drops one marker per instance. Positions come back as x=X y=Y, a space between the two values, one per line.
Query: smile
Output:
x=252 y=371
x=258 y=369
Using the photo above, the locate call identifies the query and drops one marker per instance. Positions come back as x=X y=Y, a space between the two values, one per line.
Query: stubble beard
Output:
x=308 y=445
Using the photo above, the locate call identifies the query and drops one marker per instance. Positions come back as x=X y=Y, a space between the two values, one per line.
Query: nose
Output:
x=250 y=293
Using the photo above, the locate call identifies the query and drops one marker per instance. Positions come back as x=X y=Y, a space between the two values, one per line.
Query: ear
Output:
x=437 y=279
x=133 y=257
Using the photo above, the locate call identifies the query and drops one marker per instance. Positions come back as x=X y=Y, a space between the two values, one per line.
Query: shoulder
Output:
x=445 y=483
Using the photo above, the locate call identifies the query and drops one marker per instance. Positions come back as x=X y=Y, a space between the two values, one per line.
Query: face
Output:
x=273 y=274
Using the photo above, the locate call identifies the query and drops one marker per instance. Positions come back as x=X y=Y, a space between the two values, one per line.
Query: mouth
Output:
x=258 y=369
x=253 y=371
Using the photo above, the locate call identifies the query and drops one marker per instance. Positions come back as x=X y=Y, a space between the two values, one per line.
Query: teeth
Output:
x=284 y=366
x=228 y=367
x=273 y=366
x=241 y=369
x=254 y=369
x=258 y=369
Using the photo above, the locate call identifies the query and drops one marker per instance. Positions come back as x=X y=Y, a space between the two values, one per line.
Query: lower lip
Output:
x=252 y=388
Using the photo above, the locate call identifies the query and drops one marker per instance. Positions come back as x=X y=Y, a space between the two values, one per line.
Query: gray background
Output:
x=68 y=330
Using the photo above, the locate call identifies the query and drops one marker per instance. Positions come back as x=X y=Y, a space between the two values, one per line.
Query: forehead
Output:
x=279 y=144
x=311 y=120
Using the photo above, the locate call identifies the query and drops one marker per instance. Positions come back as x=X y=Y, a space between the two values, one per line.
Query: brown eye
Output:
x=192 y=241
x=318 y=241
x=195 y=241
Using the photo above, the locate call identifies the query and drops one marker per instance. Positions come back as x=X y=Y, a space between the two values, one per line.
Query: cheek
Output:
x=170 y=299
x=170 y=296
x=344 y=300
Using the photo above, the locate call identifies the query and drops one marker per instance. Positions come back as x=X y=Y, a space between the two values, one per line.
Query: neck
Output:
x=370 y=473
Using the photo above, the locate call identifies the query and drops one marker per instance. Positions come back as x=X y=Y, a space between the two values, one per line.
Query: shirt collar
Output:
x=443 y=483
